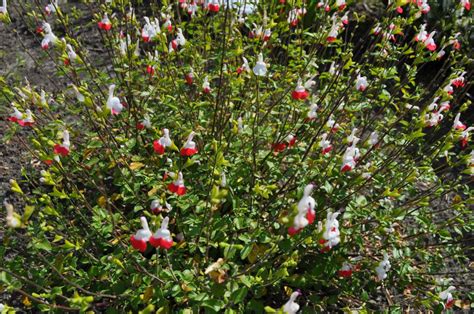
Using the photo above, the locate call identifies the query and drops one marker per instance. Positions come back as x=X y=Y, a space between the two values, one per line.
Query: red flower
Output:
x=61 y=150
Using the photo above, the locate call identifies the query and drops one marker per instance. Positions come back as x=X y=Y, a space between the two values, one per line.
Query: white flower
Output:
x=260 y=69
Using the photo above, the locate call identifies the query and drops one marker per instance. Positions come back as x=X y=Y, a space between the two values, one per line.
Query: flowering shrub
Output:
x=237 y=157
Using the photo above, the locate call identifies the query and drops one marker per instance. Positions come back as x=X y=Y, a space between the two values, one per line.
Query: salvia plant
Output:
x=238 y=156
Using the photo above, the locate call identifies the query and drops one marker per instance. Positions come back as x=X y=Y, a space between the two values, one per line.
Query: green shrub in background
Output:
x=238 y=157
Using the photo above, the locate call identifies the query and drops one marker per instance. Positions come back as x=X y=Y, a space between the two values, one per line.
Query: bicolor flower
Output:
x=350 y=157
x=206 y=87
x=289 y=142
x=260 y=69
x=177 y=186
x=447 y=297
x=105 y=23
x=423 y=6
x=295 y=15
x=291 y=307
x=150 y=30
x=15 y=116
x=71 y=55
x=383 y=267
x=334 y=31
x=113 y=102
x=51 y=8
x=145 y=123
x=422 y=34
x=189 y=77
x=49 y=37
x=345 y=271
x=324 y=4
x=189 y=148
x=64 y=148
x=157 y=208
x=352 y=137
x=331 y=123
x=300 y=92
x=449 y=89
x=160 y=145
x=459 y=81
x=341 y=4
x=28 y=120
x=162 y=237
x=325 y=144
x=331 y=234
x=192 y=8
x=465 y=136
x=213 y=6
x=433 y=118
x=361 y=83
x=306 y=213
x=429 y=42
x=345 y=19
x=458 y=125
x=139 y=240
x=466 y=4
x=245 y=67
x=167 y=24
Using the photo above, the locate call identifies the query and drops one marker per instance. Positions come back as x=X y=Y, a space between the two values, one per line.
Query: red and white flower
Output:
x=71 y=55
x=300 y=92
x=334 y=31
x=64 y=148
x=189 y=148
x=465 y=136
x=28 y=120
x=139 y=240
x=341 y=4
x=429 y=42
x=51 y=8
x=189 y=77
x=150 y=30
x=352 y=137
x=447 y=297
x=245 y=67
x=325 y=144
x=289 y=142
x=332 y=125
x=324 y=4
x=422 y=34
x=177 y=186
x=331 y=234
x=144 y=124
x=295 y=15
x=160 y=145
x=157 y=208
x=458 y=125
x=162 y=237
x=213 y=6
x=49 y=37
x=167 y=24
x=206 y=87
x=192 y=8
x=105 y=23
x=349 y=159
x=459 y=81
x=361 y=83
x=178 y=41
x=15 y=116
x=466 y=4
x=306 y=214
x=346 y=270
x=113 y=103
